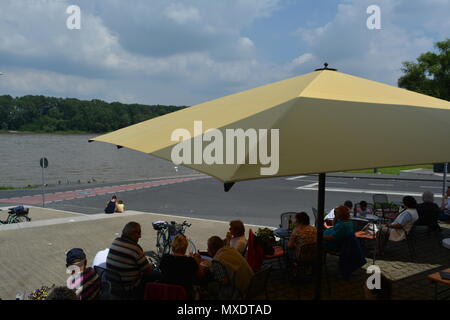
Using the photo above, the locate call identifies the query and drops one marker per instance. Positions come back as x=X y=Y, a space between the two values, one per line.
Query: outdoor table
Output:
x=363 y=235
x=367 y=217
x=282 y=233
x=436 y=279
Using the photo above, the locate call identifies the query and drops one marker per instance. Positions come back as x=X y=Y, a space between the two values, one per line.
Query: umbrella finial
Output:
x=326 y=68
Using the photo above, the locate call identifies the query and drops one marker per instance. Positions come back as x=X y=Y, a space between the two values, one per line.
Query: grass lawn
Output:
x=393 y=170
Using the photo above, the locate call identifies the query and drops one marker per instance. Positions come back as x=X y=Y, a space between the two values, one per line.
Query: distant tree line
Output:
x=49 y=114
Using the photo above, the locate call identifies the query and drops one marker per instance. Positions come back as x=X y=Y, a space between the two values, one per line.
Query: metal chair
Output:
x=427 y=231
x=278 y=254
x=380 y=202
x=226 y=290
x=370 y=206
x=258 y=284
x=112 y=285
x=304 y=266
x=284 y=217
x=409 y=239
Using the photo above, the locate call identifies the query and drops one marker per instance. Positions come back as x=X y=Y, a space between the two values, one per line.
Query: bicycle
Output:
x=166 y=233
x=17 y=215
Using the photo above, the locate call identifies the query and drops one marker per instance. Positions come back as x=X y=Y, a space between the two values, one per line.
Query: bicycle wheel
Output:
x=160 y=243
x=20 y=219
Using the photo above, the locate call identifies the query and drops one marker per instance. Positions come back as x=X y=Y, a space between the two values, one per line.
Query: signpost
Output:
x=44 y=164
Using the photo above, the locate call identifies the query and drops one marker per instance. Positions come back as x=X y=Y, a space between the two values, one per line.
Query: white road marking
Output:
x=381 y=184
x=293 y=178
x=429 y=187
x=316 y=183
x=309 y=186
x=313 y=187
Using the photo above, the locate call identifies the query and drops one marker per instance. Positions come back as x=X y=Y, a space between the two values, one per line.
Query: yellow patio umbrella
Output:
x=323 y=121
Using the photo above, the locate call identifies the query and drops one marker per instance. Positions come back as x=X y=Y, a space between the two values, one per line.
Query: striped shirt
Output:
x=127 y=259
x=87 y=284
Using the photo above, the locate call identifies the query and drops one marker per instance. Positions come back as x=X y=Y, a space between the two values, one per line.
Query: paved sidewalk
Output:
x=33 y=253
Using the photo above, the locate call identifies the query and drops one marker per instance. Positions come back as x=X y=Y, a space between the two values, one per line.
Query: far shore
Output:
x=55 y=132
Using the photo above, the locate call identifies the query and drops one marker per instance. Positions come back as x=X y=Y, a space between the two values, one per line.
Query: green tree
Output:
x=430 y=74
x=49 y=114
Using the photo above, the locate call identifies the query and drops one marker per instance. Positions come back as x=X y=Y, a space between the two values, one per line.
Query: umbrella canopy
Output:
x=328 y=121
x=323 y=121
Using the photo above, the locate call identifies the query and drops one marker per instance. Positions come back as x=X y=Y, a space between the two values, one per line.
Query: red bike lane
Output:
x=91 y=192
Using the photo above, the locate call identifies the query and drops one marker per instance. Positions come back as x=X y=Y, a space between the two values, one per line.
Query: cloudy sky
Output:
x=185 y=52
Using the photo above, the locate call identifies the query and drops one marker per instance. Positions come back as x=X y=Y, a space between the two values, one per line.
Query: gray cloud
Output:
x=179 y=52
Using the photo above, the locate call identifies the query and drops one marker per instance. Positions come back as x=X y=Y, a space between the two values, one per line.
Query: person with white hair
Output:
x=428 y=211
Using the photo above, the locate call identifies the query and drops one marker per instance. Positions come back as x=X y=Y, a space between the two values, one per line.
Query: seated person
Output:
x=228 y=268
x=343 y=228
x=395 y=231
x=236 y=236
x=120 y=207
x=302 y=235
x=111 y=205
x=363 y=209
x=330 y=217
x=428 y=211
x=126 y=258
x=84 y=280
x=177 y=268
x=445 y=207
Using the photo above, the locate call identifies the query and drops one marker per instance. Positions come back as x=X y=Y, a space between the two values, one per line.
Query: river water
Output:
x=72 y=159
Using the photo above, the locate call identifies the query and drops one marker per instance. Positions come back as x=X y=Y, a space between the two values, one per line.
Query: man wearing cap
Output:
x=84 y=280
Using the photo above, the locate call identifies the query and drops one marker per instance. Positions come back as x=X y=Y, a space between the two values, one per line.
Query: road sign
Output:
x=43 y=162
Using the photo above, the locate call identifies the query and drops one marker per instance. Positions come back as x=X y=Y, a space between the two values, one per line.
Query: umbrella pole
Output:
x=320 y=228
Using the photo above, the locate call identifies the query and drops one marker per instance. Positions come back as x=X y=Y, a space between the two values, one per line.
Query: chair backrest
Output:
x=258 y=283
x=284 y=217
x=113 y=280
x=307 y=253
x=380 y=203
x=164 y=291
x=255 y=253
x=380 y=198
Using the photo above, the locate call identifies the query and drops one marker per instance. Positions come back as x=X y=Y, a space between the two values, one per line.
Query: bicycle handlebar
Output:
x=177 y=224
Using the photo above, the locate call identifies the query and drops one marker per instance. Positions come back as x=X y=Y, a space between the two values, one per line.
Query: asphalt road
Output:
x=257 y=202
